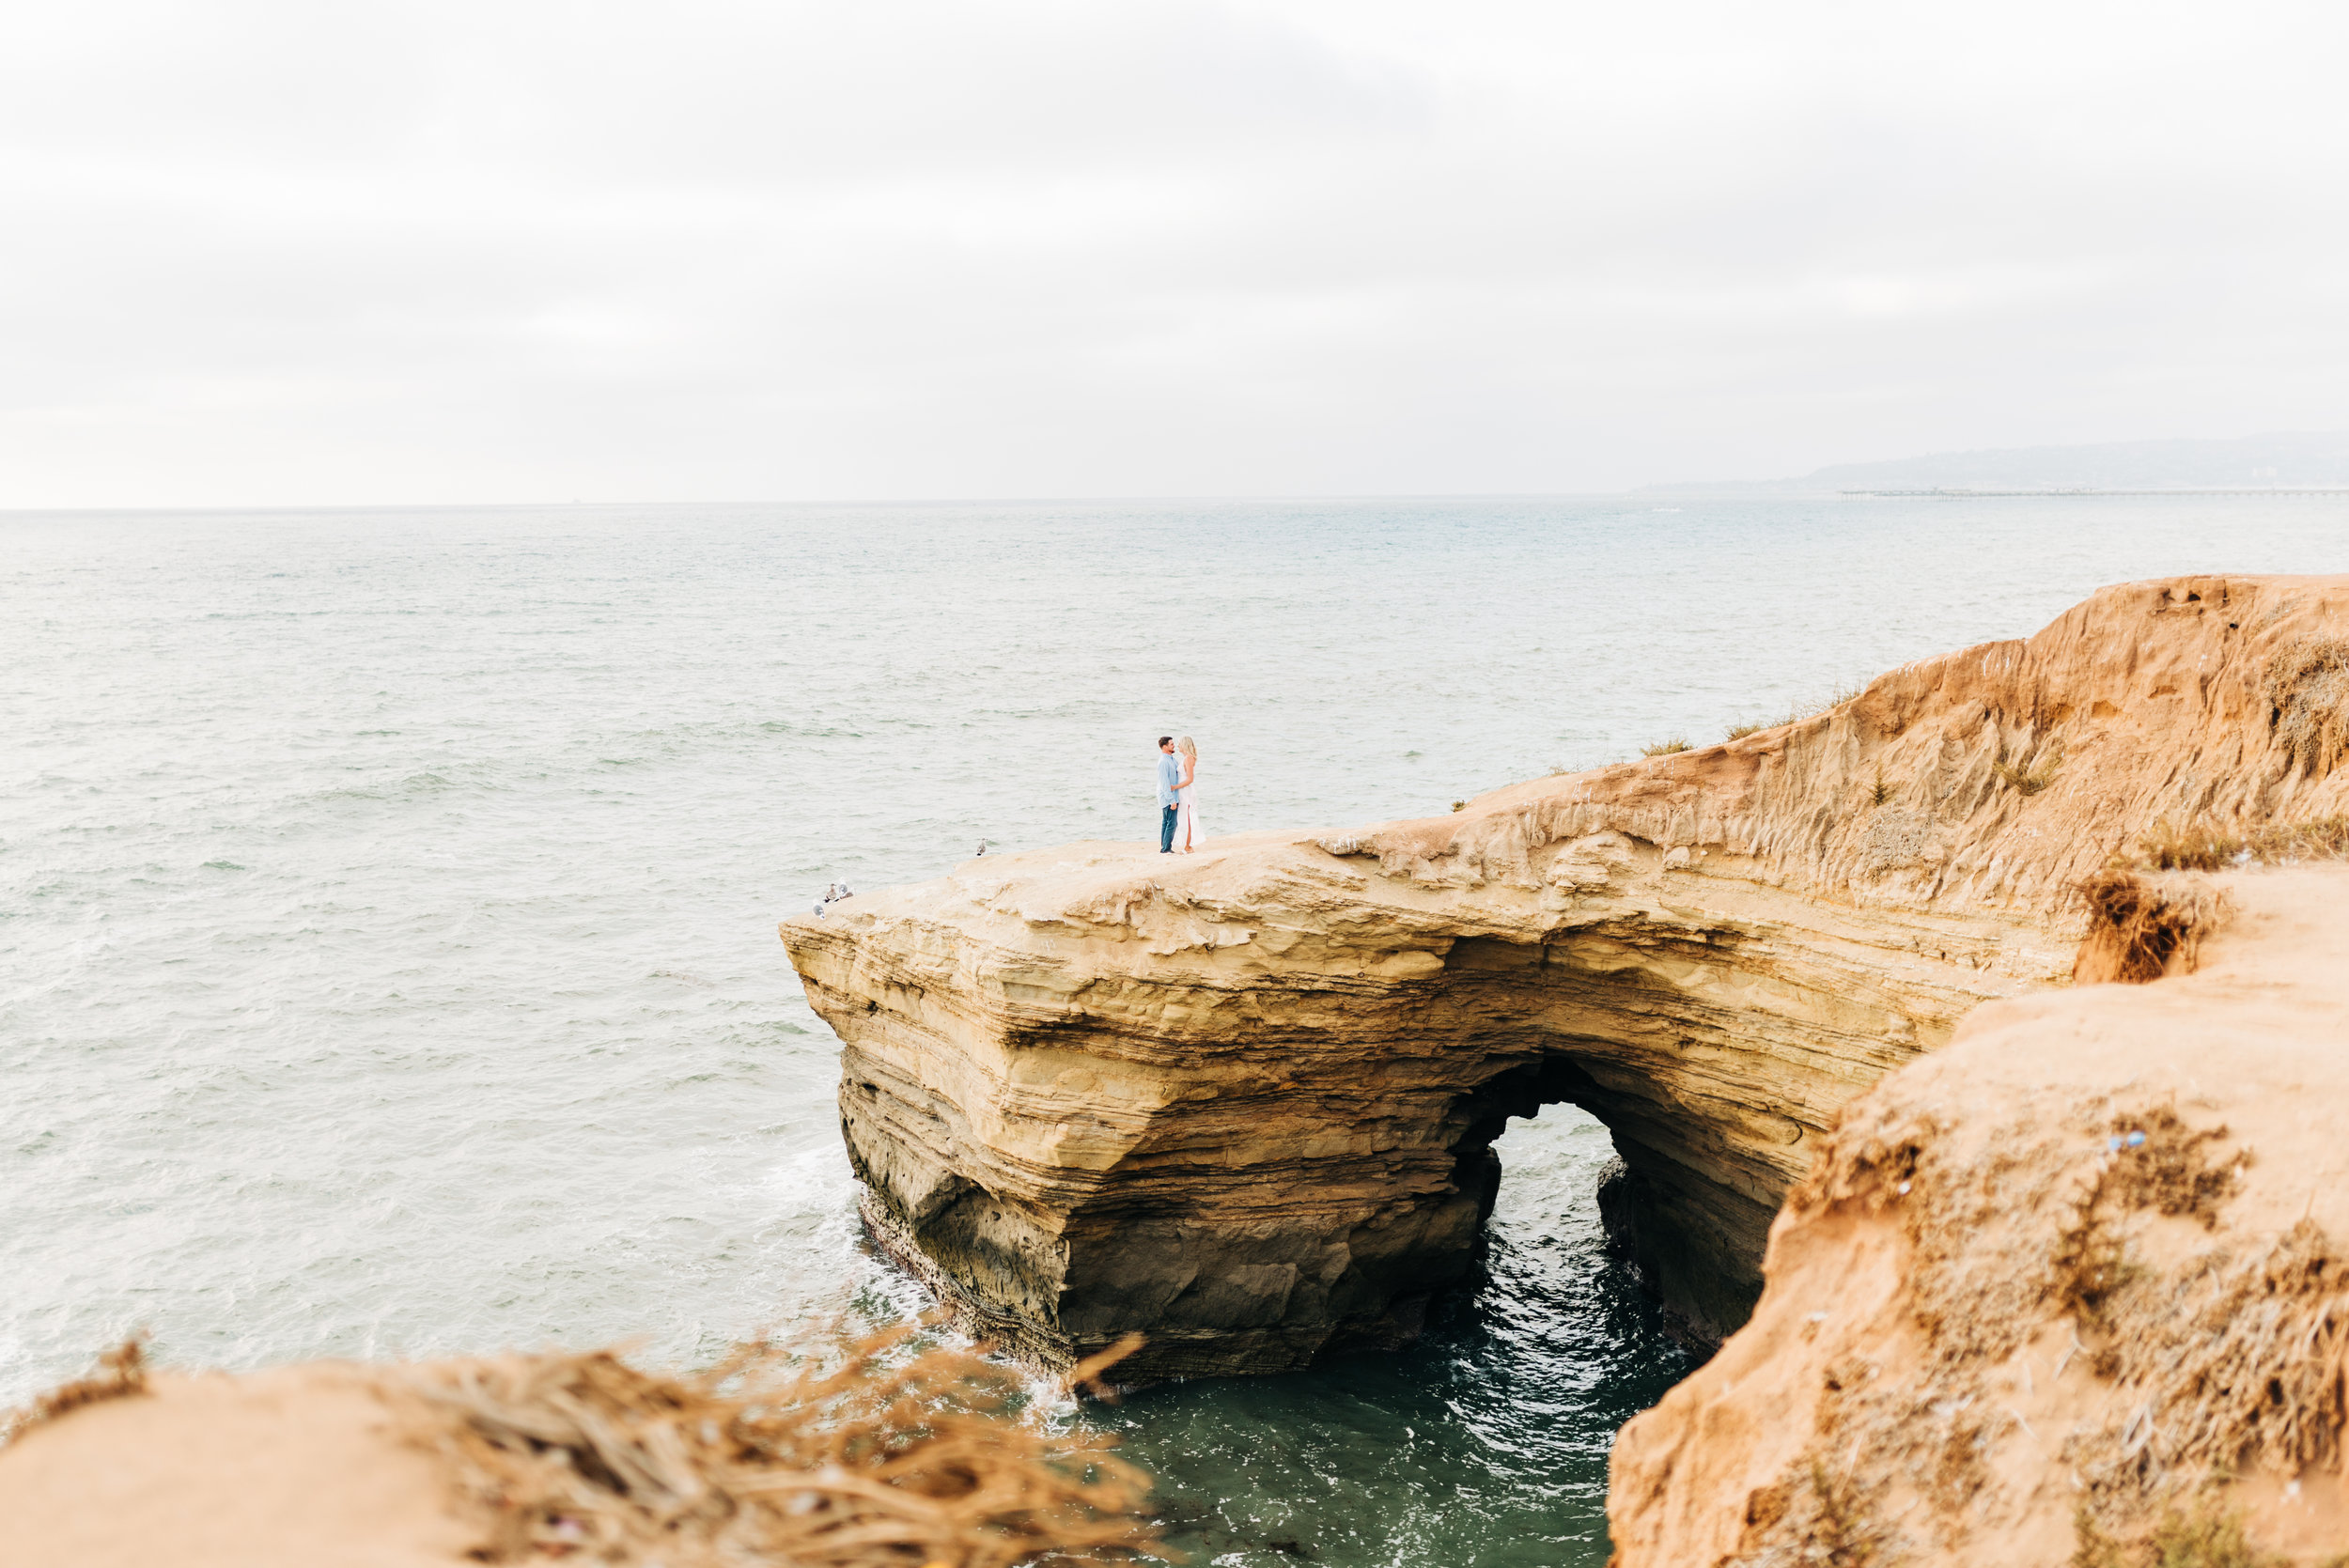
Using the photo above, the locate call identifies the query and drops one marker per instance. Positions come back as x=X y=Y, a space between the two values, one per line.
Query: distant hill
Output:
x=2285 y=459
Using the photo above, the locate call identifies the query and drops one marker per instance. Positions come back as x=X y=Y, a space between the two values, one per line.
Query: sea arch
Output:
x=1244 y=1104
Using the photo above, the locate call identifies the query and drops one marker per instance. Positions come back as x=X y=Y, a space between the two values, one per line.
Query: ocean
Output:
x=387 y=898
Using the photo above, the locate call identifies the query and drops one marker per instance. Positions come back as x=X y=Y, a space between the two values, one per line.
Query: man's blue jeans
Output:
x=1166 y=829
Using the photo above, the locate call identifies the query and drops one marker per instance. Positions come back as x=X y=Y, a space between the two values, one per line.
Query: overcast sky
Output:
x=265 y=254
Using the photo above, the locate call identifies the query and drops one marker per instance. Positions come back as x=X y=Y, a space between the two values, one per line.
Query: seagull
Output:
x=819 y=908
x=981 y=847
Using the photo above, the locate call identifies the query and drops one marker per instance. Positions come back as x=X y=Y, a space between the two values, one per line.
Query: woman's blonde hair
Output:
x=1186 y=746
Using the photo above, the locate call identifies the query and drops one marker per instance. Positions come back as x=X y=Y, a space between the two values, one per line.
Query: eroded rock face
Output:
x=1243 y=1102
x=2047 y=1284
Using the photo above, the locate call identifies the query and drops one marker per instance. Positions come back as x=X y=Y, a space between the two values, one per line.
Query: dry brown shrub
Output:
x=1664 y=748
x=122 y=1371
x=2137 y=929
x=2307 y=687
x=2163 y=1162
x=2207 y=847
x=876 y=1454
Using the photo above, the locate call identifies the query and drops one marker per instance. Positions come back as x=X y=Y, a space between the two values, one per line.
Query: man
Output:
x=1170 y=774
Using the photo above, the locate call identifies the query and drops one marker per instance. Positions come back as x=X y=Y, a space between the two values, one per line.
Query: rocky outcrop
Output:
x=2049 y=1285
x=1245 y=1102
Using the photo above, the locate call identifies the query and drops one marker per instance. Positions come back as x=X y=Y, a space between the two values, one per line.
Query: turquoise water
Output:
x=387 y=899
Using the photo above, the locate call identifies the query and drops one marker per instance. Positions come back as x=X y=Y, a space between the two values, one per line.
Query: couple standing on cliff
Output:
x=1178 y=796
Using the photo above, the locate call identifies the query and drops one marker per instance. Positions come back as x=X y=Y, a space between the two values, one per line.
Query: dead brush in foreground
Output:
x=2139 y=928
x=872 y=1456
x=121 y=1371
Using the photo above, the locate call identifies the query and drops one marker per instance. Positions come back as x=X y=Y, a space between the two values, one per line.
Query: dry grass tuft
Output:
x=2210 y=1536
x=873 y=1455
x=2307 y=687
x=122 y=1372
x=1664 y=748
x=2207 y=1535
x=2206 y=846
x=2025 y=777
x=1841 y=1532
x=2193 y=846
x=1796 y=714
x=1459 y=805
x=2137 y=929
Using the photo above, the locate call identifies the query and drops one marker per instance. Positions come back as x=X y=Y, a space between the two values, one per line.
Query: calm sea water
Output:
x=387 y=899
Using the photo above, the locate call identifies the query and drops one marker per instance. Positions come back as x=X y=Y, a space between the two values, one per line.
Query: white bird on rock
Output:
x=981 y=847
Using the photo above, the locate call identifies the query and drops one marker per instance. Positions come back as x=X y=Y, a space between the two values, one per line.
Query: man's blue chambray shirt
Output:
x=1170 y=773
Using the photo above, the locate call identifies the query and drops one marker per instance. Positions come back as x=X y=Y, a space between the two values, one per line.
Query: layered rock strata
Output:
x=1244 y=1102
x=2074 y=1289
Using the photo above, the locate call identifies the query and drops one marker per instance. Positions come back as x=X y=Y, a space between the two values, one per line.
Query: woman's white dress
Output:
x=1187 y=831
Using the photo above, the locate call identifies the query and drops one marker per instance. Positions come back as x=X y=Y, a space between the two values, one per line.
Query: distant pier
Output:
x=1952 y=492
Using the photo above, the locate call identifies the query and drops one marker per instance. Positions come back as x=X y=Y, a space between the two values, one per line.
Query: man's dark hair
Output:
x=1164 y=740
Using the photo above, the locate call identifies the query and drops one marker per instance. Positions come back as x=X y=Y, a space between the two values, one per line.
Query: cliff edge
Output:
x=1244 y=1102
x=2073 y=1289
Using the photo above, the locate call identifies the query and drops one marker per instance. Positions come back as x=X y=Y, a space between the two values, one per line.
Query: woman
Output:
x=1187 y=834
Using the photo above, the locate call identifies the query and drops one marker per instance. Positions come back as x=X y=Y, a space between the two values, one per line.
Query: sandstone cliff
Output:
x=1244 y=1102
x=2049 y=1284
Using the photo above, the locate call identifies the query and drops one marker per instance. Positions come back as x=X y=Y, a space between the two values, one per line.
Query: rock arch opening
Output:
x=1693 y=1243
